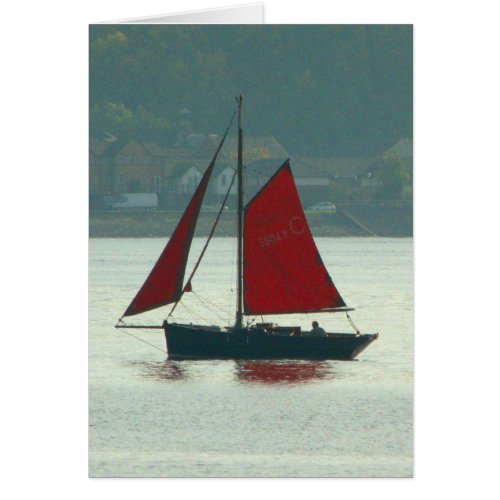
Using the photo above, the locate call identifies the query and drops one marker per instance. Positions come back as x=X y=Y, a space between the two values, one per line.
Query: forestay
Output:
x=164 y=285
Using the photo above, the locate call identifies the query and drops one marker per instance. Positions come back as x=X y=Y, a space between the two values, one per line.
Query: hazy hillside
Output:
x=320 y=90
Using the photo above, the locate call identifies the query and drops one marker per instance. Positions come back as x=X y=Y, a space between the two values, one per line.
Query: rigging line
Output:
x=233 y=294
x=250 y=322
x=249 y=167
x=189 y=238
x=232 y=279
x=352 y=324
x=207 y=305
x=192 y=313
x=142 y=340
x=225 y=134
x=187 y=286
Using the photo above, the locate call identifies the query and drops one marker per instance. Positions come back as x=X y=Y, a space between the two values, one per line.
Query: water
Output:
x=150 y=417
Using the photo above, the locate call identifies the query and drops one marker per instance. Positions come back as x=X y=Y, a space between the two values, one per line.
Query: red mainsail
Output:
x=283 y=271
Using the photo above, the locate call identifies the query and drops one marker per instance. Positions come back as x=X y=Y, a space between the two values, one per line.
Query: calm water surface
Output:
x=150 y=417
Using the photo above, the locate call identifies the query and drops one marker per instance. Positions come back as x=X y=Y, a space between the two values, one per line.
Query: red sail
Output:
x=283 y=271
x=164 y=283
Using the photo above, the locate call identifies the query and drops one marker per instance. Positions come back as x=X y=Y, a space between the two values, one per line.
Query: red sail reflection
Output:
x=275 y=372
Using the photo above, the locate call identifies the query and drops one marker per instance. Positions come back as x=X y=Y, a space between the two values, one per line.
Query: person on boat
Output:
x=316 y=331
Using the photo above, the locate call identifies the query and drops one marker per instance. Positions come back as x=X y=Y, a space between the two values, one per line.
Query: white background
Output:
x=44 y=263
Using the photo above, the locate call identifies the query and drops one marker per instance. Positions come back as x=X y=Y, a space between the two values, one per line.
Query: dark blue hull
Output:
x=204 y=342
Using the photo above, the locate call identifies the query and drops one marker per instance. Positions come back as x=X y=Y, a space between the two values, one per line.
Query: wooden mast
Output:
x=239 y=302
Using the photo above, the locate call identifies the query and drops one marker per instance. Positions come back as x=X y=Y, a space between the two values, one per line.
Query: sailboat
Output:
x=279 y=271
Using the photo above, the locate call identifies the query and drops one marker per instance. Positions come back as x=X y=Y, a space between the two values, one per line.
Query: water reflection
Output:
x=162 y=370
x=255 y=371
x=283 y=372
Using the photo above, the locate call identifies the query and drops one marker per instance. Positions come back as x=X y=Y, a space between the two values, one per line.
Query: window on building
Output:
x=223 y=180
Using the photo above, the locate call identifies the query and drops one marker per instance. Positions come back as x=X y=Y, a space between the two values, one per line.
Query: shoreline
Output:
x=365 y=221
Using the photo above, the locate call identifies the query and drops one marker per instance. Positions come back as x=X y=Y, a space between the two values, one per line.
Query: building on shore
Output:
x=118 y=166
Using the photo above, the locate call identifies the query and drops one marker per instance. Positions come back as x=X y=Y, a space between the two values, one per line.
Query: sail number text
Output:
x=295 y=228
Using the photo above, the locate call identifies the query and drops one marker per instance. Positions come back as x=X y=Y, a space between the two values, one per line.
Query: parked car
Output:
x=324 y=206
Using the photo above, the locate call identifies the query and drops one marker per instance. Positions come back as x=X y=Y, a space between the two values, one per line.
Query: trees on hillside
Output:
x=320 y=90
x=393 y=180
